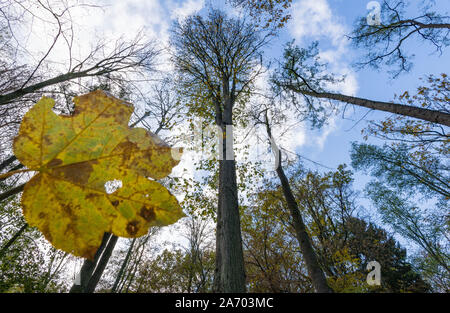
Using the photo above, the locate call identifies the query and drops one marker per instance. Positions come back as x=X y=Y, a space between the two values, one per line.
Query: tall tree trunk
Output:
x=218 y=261
x=232 y=268
x=315 y=272
x=231 y=262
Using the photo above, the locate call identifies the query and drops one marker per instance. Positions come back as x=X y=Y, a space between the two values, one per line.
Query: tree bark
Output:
x=89 y=266
x=231 y=256
x=49 y=82
x=314 y=270
x=232 y=274
x=218 y=261
x=396 y=108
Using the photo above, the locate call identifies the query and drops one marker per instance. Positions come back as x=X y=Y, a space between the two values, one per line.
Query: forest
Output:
x=224 y=146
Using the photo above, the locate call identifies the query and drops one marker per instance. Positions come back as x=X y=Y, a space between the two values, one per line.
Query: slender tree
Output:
x=314 y=270
x=301 y=73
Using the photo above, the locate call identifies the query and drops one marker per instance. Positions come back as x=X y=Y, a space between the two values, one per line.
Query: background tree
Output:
x=157 y=268
x=385 y=41
x=349 y=242
x=314 y=270
x=30 y=263
x=344 y=242
x=402 y=181
x=412 y=168
x=273 y=259
x=268 y=13
x=302 y=73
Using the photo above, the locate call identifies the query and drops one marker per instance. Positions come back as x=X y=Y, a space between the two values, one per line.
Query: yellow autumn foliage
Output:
x=75 y=156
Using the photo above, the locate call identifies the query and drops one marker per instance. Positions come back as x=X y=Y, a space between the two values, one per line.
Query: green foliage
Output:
x=272 y=257
x=427 y=228
x=343 y=242
x=172 y=271
x=30 y=264
x=369 y=242
x=395 y=167
x=402 y=181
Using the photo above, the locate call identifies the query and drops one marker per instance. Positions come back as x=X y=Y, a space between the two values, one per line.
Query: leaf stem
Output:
x=8 y=174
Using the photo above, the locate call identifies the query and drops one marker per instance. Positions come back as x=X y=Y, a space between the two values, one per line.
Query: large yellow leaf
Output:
x=75 y=156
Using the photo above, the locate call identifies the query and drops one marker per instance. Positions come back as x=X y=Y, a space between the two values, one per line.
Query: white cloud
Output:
x=127 y=17
x=315 y=20
x=108 y=20
x=326 y=131
x=187 y=8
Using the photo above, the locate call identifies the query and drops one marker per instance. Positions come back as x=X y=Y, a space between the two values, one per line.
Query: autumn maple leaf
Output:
x=75 y=156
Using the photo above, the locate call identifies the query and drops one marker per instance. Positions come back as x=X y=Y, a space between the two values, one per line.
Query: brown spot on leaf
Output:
x=67 y=209
x=42 y=215
x=71 y=229
x=46 y=231
x=78 y=173
x=91 y=195
x=147 y=213
x=115 y=203
x=31 y=127
x=47 y=140
x=132 y=227
x=126 y=148
x=54 y=163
